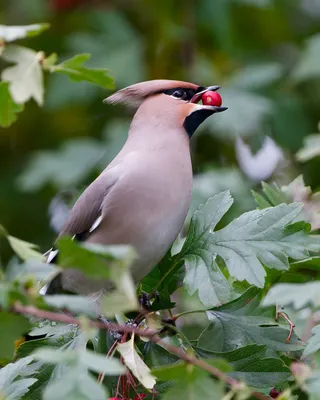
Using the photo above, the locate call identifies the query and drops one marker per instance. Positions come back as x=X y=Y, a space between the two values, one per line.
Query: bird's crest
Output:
x=134 y=95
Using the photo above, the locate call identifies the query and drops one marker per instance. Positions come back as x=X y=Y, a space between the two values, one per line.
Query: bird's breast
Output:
x=148 y=206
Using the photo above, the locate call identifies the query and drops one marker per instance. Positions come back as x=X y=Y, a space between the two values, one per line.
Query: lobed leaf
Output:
x=202 y=272
x=299 y=295
x=14 y=381
x=25 y=77
x=241 y=322
x=75 y=384
x=77 y=72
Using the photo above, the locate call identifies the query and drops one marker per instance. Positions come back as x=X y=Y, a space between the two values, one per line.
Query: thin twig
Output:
x=67 y=319
x=151 y=333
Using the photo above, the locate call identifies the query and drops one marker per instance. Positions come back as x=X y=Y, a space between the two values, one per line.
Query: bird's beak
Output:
x=197 y=97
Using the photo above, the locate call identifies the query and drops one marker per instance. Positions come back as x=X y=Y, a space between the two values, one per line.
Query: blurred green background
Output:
x=264 y=53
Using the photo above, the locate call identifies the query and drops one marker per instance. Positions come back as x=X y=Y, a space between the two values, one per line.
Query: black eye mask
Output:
x=182 y=93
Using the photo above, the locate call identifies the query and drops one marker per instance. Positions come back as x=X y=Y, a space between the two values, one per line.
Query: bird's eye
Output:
x=179 y=93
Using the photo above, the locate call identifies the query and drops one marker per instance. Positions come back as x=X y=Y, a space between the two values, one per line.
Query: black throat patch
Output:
x=194 y=120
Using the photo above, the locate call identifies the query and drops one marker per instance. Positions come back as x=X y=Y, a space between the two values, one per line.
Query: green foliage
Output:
x=8 y=108
x=77 y=72
x=299 y=295
x=13 y=327
x=240 y=333
x=241 y=339
x=22 y=248
x=9 y=387
x=242 y=322
x=75 y=384
x=250 y=364
x=255 y=237
x=25 y=77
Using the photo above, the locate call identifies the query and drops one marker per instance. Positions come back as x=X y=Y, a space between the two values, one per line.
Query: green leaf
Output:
x=12 y=328
x=176 y=372
x=260 y=200
x=191 y=382
x=11 y=33
x=50 y=61
x=124 y=298
x=108 y=263
x=100 y=363
x=91 y=264
x=116 y=51
x=8 y=108
x=203 y=273
x=264 y=373
x=77 y=304
x=201 y=388
x=251 y=366
x=241 y=322
x=25 y=77
x=5 y=289
x=24 y=250
x=273 y=194
x=77 y=72
x=255 y=238
x=52 y=356
x=155 y=355
x=93 y=361
x=299 y=295
x=58 y=336
x=262 y=237
x=135 y=363
x=14 y=381
x=313 y=344
x=310 y=149
x=295 y=191
x=39 y=270
x=75 y=384
x=307 y=66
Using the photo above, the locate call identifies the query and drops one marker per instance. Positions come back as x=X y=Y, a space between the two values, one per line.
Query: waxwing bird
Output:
x=143 y=196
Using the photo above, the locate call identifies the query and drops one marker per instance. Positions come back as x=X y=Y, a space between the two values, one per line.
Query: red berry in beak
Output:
x=211 y=98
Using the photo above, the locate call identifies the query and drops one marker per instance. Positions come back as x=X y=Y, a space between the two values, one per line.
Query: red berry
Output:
x=274 y=393
x=140 y=397
x=211 y=98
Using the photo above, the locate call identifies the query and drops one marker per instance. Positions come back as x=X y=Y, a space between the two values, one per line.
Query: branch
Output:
x=151 y=333
x=68 y=319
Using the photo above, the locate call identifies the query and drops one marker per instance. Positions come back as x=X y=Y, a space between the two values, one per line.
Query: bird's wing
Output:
x=85 y=215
